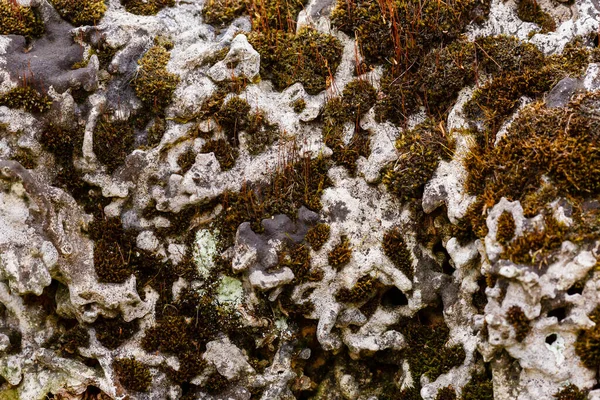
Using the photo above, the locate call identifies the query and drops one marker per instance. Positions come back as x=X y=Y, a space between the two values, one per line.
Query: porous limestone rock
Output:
x=193 y=268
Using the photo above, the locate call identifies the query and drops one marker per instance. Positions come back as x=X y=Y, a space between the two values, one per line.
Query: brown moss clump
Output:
x=421 y=150
x=299 y=105
x=521 y=71
x=296 y=258
x=399 y=35
x=72 y=339
x=570 y=392
x=113 y=141
x=261 y=132
x=223 y=151
x=534 y=247
x=111 y=249
x=216 y=383
x=18 y=20
x=80 y=12
x=516 y=317
x=222 y=12
x=530 y=11
x=506 y=228
x=364 y=288
x=587 y=345
x=426 y=349
x=395 y=248
x=25 y=158
x=156 y=131
x=270 y=15
x=113 y=332
x=317 y=236
x=233 y=118
x=357 y=98
x=171 y=335
x=186 y=160
x=146 y=7
x=309 y=57
x=132 y=374
x=547 y=153
x=299 y=182
x=403 y=30
x=445 y=72
x=446 y=393
x=480 y=387
x=26 y=98
x=340 y=255
x=154 y=85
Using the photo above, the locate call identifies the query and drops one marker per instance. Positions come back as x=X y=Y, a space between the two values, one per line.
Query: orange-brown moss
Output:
x=317 y=236
x=395 y=248
x=516 y=317
x=341 y=253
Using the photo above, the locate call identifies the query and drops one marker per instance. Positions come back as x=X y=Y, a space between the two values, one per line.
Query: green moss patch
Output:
x=530 y=11
x=223 y=151
x=186 y=160
x=295 y=184
x=26 y=98
x=236 y=116
x=296 y=258
x=222 y=12
x=395 y=248
x=146 y=7
x=309 y=57
x=81 y=12
x=587 y=345
x=521 y=70
x=421 y=150
x=113 y=141
x=479 y=387
x=132 y=374
x=261 y=132
x=446 y=393
x=154 y=85
x=299 y=105
x=18 y=20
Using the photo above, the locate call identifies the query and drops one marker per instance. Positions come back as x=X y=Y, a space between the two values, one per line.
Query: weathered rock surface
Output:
x=182 y=217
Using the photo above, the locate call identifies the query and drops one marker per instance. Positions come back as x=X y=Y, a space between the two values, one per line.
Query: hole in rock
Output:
x=431 y=315
x=394 y=297
x=575 y=289
x=92 y=363
x=551 y=338
x=447 y=268
x=559 y=313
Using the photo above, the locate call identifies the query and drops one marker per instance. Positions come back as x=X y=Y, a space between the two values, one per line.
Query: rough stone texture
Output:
x=203 y=245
